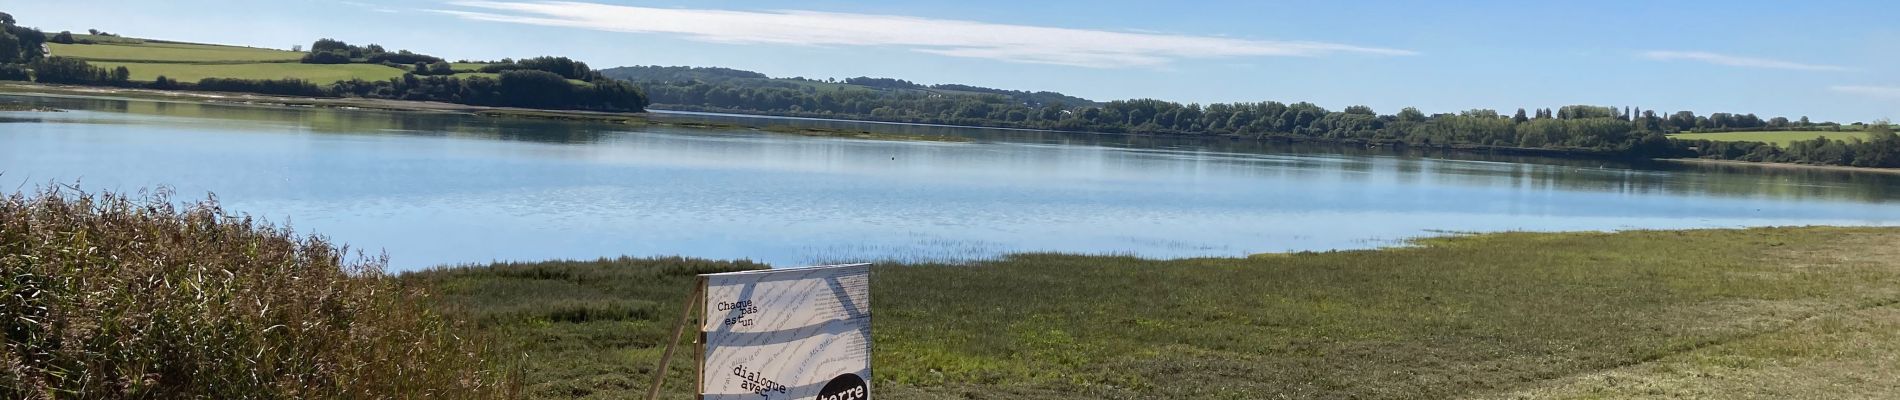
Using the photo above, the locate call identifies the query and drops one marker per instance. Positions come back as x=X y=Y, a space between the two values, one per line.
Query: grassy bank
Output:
x=1778 y=138
x=1506 y=315
x=131 y=49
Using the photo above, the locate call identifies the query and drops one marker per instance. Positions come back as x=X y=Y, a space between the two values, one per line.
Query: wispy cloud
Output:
x=371 y=7
x=1738 y=61
x=1013 y=43
x=1885 y=92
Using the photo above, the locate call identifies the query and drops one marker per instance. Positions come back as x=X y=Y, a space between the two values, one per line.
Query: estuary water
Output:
x=436 y=189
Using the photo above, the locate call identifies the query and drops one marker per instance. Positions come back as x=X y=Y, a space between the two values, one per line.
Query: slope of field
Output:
x=1782 y=138
x=317 y=73
x=154 y=51
x=191 y=62
x=1518 y=315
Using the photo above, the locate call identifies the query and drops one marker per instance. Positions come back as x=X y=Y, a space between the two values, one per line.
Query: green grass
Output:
x=191 y=62
x=1508 y=315
x=317 y=73
x=107 y=39
x=1781 y=138
x=153 y=51
x=467 y=75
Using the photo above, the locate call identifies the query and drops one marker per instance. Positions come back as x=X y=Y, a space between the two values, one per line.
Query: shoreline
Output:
x=1776 y=165
x=652 y=118
x=264 y=100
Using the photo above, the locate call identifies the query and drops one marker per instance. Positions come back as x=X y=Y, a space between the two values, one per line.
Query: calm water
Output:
x=441 y=189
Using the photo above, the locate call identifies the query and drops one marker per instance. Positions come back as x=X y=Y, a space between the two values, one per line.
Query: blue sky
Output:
x=1831 y=60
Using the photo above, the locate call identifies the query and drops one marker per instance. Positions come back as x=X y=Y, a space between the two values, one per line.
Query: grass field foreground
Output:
x=1512 y=315
x=1779 y=138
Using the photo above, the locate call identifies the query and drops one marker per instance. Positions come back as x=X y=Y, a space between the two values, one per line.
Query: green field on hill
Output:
x=191 y=62
x=154 y=51
x=1781 y=138
x=1758 y=313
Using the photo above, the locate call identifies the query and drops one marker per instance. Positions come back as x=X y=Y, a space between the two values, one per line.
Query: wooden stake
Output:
x=686 y=316
x=699 y=346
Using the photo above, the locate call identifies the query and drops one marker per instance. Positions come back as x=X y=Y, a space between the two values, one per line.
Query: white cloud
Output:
x=371 y=7
x=1885 y=92
x=1014 y=43
x=1737 y=61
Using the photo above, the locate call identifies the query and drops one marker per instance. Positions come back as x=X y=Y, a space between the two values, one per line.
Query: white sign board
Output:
x=792 y=334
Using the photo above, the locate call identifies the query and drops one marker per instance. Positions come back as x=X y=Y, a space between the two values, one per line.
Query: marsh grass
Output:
x=1451 y=317
x=110 y=296
x=588 y=329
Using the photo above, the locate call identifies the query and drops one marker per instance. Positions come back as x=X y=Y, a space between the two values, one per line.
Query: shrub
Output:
x=14 y=72
x=164 y=83
x=282 y=87
x=67 y=70
x=106 y=296
x=327 y=57
x=402 y=57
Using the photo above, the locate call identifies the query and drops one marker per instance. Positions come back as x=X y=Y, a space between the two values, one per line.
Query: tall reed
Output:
x=112 y=296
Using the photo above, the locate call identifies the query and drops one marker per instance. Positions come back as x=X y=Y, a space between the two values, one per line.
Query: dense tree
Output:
x=563 y=66
x=10 y=49
x=438 y=68
x=327 y=44
x=520 y=88
x=67 y=70
x=14 y=72
x=284 y=87
x=19 y=44
x=375 y=56
x=1581 y=129
x=332 y=51
x=165 y=83
x=327 y=57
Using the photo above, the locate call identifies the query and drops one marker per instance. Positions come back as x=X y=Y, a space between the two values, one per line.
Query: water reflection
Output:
x=447 y=188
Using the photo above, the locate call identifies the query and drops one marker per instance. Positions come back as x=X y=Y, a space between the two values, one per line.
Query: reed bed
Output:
x=113 y=296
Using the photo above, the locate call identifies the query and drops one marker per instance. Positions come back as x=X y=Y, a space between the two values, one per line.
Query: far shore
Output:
x=644 y=118
x=252 y=99
x=1839 y=168
x=299 y=101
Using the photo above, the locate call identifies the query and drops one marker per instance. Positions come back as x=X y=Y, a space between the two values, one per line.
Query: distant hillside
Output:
x=736 y=78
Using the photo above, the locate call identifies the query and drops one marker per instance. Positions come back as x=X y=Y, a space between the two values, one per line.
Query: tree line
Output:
x=18 y=44
x=1577 y=129
x=733 y=78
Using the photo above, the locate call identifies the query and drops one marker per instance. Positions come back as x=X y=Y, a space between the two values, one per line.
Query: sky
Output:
x=1829 y=60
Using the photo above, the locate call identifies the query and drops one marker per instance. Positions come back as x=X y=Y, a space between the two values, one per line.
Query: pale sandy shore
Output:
x=1704 y=161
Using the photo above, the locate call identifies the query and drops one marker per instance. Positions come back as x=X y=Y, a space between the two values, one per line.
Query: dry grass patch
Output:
x=106 y=296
